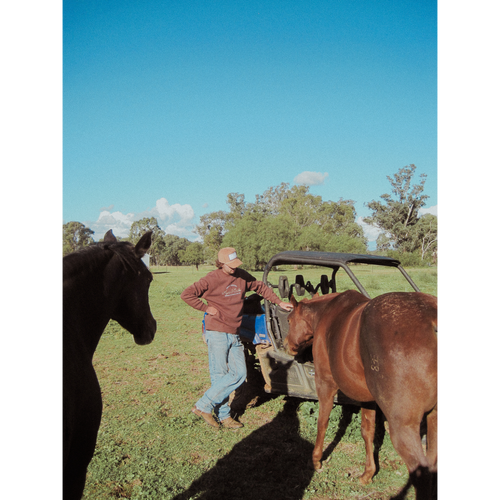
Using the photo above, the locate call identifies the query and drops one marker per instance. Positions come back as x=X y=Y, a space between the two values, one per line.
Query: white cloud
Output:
x=431 y=210
x=179 y=214
x=310 y=178
x=371 y=232
x=173 y=219
x=118 y=222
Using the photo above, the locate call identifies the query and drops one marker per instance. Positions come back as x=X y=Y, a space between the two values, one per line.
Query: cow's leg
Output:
x=326 y=394
x=432 y=439
x=368 y=433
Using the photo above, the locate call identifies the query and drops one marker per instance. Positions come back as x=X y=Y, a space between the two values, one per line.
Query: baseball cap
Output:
x=228 y=256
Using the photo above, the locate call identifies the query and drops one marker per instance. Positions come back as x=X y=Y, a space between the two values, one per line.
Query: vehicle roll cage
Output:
x=334 y=261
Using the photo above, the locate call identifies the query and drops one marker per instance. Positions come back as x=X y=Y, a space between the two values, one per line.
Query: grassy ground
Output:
x=151 y=446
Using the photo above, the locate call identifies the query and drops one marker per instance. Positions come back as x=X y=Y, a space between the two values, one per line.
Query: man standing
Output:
x=224 y=290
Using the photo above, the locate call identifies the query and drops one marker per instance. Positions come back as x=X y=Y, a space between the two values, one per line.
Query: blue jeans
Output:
x=228 y=370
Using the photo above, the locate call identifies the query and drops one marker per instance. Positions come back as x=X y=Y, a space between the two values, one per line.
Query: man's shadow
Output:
x=258 y=468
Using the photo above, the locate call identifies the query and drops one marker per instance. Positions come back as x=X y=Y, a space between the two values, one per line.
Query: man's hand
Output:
x=212 y=311
x=286 y=306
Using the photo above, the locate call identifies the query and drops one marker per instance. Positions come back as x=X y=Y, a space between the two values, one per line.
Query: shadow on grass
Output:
x=425 y=480
x=425 y=483
x=257 y=468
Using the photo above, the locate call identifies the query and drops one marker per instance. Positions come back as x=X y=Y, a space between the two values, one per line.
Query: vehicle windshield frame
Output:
x=329 y=260
x=334 y=261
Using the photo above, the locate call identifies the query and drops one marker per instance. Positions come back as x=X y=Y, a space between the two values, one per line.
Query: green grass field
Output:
x=151 y=446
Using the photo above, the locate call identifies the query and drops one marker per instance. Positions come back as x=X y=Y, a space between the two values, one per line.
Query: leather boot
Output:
x=208 y=417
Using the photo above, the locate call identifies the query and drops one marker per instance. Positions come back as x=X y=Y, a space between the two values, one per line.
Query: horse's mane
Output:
x=90 y=258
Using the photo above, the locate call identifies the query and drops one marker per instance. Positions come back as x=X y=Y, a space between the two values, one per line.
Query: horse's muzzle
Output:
x=147 y=335
x=287 y=347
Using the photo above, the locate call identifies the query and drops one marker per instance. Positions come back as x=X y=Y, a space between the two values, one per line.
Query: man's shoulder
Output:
x=213 y=275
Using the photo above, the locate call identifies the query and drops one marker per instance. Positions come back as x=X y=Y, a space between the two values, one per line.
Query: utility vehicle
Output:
x=300 y=273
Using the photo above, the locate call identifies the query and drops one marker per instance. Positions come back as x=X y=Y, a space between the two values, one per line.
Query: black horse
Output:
x=102 y=282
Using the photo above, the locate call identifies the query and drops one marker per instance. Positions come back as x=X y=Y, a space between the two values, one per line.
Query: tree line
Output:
x=291 y=218
x=165 y=250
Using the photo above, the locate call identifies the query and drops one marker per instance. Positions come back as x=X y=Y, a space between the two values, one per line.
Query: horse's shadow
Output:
x=255 y=468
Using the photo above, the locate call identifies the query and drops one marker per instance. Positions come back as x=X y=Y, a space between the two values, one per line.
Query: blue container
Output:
x=253 y=328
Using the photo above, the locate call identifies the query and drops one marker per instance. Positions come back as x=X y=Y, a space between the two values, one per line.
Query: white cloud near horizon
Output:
x=431 y=210
x=371 y=232
x=173 y=219
x=310 y=178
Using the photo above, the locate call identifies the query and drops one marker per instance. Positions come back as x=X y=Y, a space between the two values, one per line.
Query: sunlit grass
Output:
x=151 y=446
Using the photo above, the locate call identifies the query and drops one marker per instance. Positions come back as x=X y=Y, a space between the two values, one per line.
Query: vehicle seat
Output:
x=279 y=319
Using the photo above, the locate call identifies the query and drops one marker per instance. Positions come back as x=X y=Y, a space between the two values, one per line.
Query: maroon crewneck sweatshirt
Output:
x=226 y=293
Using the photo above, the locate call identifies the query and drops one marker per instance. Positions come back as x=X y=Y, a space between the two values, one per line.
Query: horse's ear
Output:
x=315 y=295
x=109 y=237
x=143 y=245
x=293 y=301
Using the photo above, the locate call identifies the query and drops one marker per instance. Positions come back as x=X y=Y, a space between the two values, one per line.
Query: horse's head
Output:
x=133 y=279
x=300 y=330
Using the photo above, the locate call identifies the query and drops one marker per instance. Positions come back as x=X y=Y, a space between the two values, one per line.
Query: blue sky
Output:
x=169 y=106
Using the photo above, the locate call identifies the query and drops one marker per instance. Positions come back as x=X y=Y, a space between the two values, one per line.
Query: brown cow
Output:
x=382 y=350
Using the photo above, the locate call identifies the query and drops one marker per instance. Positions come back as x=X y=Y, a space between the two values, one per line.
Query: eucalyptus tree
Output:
x=76 y=236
